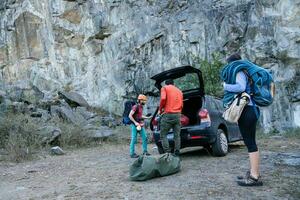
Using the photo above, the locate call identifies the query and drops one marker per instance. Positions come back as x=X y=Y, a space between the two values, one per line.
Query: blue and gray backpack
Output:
x=261 y=81
x=127 y=108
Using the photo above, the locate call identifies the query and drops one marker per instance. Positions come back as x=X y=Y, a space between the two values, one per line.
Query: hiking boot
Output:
x=146 y=153
x=250 y=181
x=240 y=177
x=134 y=155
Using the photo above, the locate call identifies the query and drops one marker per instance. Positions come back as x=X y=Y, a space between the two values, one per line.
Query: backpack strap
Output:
x=251 y=85
x=249 y=77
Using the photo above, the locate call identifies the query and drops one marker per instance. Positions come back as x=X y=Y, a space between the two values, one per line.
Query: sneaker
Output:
x=250 y=181
x=146 y=153
x=134 y=155
x=240 y=177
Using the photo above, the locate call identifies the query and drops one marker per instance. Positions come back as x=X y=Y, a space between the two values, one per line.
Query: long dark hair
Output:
x=233 y=57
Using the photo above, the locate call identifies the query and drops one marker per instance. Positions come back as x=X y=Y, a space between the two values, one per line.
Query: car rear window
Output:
x=188 y=82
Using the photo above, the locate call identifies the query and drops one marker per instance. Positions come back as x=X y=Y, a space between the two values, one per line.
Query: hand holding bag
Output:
x=234 y=111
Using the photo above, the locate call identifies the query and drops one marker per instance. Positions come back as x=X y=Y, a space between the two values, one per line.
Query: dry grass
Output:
x=121 y=135
x=18 y=137
x=72 y=135
x=290 y=133
x=20 y=140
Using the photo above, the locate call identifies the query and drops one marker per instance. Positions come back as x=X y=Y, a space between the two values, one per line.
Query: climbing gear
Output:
x=261 y=82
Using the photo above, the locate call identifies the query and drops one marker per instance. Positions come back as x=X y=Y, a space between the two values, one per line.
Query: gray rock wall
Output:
x=108 y=50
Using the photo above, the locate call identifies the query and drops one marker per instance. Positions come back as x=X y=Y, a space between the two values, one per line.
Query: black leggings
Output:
x=247 y=125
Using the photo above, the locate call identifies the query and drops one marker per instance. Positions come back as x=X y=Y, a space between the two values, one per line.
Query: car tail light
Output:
x=203 y=113
x=204 y=116
x=196 y=137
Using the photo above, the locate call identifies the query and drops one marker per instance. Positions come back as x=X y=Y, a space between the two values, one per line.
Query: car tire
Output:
x=220 y=147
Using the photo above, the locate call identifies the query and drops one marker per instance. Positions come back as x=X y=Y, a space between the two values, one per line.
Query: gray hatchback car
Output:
x=206 y=126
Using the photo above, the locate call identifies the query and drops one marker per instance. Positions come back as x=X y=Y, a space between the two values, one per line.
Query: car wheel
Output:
x=220 y=147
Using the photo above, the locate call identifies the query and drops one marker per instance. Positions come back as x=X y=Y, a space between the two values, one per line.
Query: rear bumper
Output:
x=190 y=136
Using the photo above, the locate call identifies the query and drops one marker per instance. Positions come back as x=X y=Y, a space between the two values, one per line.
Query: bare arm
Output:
x=132 y=119
x=239 y=86
x=145 y=117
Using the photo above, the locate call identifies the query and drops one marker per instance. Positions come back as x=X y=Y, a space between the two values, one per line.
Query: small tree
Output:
x=211 y=74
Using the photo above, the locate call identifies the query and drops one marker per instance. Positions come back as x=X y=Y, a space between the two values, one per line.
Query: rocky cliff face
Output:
x=108 y=50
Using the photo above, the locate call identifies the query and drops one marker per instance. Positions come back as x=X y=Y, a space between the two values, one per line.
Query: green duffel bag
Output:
x=147 y=167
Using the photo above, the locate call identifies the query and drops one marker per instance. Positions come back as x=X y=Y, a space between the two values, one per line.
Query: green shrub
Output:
x=211 y=70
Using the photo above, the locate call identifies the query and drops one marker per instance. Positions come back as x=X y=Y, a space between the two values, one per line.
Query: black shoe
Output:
x=146 y=153
x=176 y=153
x=250 y=181
x=240 y=177
x=134 y=155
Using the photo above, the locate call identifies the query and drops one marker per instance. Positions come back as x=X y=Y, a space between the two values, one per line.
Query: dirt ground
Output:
x=103 y=173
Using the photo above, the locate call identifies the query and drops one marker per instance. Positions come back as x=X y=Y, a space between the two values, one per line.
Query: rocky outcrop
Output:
x=73 y=99
x=107 y=50
x=67 y=109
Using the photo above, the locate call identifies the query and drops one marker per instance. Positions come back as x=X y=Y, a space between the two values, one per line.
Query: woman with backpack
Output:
x=137 y=126
x=247 y=124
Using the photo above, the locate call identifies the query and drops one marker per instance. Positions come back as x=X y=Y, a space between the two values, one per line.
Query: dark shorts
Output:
x=247 y=126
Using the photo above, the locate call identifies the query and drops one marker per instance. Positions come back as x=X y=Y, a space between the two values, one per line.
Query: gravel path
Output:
x=102 y=173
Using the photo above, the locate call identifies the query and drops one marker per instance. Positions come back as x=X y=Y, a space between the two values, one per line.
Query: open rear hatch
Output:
x=190 y=81
x=177 y=73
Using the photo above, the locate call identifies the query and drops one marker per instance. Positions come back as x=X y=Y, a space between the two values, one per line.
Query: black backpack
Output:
x=127 y=108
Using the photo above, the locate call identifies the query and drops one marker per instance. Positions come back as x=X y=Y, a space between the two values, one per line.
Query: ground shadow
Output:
x=194 y=151
x=202 y=151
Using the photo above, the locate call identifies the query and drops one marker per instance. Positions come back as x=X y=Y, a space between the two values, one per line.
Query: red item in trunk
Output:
x=184 y=120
